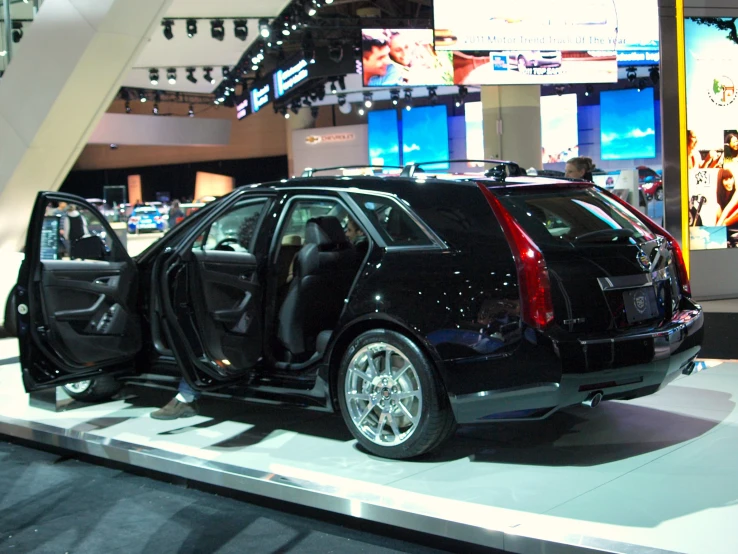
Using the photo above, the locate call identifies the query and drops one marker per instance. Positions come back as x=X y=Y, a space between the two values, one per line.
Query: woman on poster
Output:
x=727 y=199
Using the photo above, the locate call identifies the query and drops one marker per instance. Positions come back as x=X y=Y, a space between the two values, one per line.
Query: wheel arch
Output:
x=349 y=332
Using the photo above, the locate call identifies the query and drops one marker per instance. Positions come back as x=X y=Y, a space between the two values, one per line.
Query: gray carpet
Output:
x=50 y=503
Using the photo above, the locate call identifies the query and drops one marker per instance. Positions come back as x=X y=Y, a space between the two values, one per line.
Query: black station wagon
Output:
x=468 y=300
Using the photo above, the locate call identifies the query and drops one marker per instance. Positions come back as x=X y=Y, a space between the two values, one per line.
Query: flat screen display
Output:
x=403 y=57
x=559 y=128
x=425 y=136
x=627 y=124
x=384 y=138
x=474 y=131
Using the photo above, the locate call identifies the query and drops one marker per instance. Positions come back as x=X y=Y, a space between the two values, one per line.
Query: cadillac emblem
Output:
x=640 y=301
x=643 y=260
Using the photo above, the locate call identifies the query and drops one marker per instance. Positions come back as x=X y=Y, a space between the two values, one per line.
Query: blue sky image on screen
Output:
x=384 y=138
x=425 y=136
x=627 y=124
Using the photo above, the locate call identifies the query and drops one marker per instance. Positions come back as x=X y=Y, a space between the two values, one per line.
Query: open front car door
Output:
x=76 y=301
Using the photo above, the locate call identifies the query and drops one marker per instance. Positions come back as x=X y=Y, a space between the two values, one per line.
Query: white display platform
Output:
x=654 y=475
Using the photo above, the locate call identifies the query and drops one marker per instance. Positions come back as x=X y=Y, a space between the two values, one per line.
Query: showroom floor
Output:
x=656 y=473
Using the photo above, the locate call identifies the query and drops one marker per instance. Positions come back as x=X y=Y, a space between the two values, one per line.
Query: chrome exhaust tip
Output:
x=689 y=368
x=593 y=400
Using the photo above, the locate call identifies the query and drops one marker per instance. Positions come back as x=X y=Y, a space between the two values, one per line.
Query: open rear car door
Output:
x=77 y=311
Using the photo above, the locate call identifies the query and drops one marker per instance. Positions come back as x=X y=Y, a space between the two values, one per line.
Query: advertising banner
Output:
x=712 y=137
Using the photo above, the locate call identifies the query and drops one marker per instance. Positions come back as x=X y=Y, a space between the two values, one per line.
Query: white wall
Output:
x=330 y=147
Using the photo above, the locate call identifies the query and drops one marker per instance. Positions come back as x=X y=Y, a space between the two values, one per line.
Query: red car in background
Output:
x=651 y=183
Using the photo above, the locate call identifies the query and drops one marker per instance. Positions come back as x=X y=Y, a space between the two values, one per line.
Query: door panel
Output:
x=231 y=294
x=76 y=296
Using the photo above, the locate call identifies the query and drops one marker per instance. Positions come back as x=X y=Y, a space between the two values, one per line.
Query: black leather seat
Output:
x=323 y=272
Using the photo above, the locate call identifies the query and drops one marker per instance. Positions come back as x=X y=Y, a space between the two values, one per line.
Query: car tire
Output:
x=398 y=411
x=660 y=193
x=97 y=389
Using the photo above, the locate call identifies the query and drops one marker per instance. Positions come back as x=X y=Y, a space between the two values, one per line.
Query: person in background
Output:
x=579 y=168
x=175 y=214
x=74 y=226
x=356 y=235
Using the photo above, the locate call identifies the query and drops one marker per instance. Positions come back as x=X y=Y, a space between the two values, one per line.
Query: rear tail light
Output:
x=659 y=230
x=157 y=218
x=536 y=304
x=133 y=220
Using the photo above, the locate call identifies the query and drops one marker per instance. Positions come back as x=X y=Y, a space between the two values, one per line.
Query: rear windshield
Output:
x=572 y=216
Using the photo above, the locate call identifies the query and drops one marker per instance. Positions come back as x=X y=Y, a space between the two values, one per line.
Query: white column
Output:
x=512 y=124
x=63 y=76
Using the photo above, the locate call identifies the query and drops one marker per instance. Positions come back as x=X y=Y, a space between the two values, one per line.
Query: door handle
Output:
x=111 y=281
x=83 y=314
x=232 y=315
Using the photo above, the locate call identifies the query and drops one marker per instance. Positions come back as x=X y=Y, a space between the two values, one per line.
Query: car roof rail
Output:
x=310 y=172
x=501 y=170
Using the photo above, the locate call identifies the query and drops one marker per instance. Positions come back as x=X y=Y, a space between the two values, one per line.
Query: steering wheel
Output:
x=225 y=244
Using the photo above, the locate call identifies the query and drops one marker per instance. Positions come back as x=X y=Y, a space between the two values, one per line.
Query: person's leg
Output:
x=182 y=405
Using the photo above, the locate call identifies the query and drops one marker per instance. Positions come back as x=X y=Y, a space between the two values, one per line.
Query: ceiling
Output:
x=201 y=50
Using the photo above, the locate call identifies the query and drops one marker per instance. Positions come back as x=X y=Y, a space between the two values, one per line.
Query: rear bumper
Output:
x=673 y=349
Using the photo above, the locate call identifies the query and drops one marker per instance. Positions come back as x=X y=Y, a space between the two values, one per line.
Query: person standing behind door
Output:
x=75 y=227
x=175 y=214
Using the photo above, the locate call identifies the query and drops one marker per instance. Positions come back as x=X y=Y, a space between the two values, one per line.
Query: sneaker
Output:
x=176 y=409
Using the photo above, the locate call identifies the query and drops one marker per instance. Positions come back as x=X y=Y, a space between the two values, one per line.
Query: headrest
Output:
x=291 y=240
x=325 y=231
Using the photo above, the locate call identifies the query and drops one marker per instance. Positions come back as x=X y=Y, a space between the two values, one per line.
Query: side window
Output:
x=71 y=232
x=302 y=211
x=234 y=230
x=392 y=221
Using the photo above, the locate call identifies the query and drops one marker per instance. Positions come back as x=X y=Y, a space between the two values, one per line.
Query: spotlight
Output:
x=559 y=90
x=458 y=101
x=310 y=8
x=142 y=96
x=17 y=31
x=154 y=76
x=333 y=87
x=408 y=99
x=207 y=75
x=295 y=107
x=341 y=83
x=172 y=76
x=308 y=47
x=264 y=28
x=191 y=27
x=240 y=29
x=463 y=91
x=343 y=106
x=368 y=100
x=155 y=109
x=217 y=31
x=328 y=1
x=284 y=112
x=641 y=84
x=314 y=111
x=433 y=95
x=128 y=106
x=320 y=92
x=654 y=74
x=341 y=99
x=191 y=111
x=589 y=89
x=631 y=74
x=191 y=75
x=168 y=23
x=226 y=71
x=395 y=96
x=335 y=52
x=361 y=111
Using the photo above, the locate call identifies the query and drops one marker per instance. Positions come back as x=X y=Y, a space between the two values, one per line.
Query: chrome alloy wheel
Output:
x=383 y=394
x=79 y=387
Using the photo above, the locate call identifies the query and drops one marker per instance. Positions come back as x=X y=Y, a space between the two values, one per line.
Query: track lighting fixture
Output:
x=128 y=106
x=395 y=96
x=433 y=95
x=334 y=90
x=191 y=27
x=155 y=109
x=154 y=76
x=368 y=100
x=362 y=111
x=240 y=29
x=191 y=111
x=142 y=96
x=168 y=24
x=408 y=99
x=314 y=111
x=264 y=29
x=295 y=107
x=631 y=74
x=207 y=75
x=226 y=71
x=191 y=75
x=641 y=84
x=217 y=30
x=559 y=90
x=341 y=82
x=588 y=90
x=284 y=112
x=17 y=31
x=654 y=74
x=341 y=99
x=172 y=76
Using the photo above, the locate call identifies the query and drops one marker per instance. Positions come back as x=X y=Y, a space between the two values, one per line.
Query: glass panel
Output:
x=392 y=221
x=234 y=230
x=71 y=232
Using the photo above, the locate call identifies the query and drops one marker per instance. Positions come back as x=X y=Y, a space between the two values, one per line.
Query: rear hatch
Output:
x=609 y=273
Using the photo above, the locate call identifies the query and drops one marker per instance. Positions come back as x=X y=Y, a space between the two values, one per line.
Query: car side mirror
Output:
x=91 y=247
